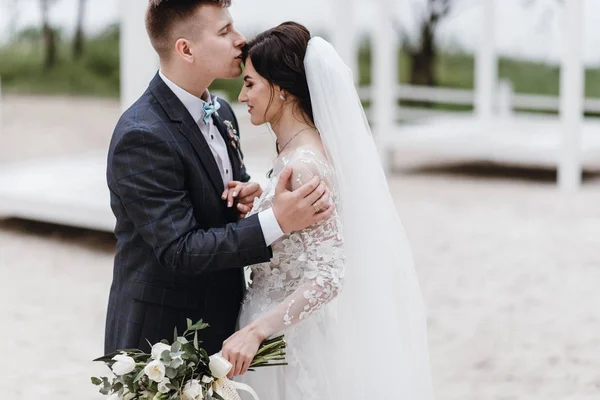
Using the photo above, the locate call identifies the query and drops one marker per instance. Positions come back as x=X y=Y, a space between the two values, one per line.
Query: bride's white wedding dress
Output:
x=344 y=292
x=293 y=292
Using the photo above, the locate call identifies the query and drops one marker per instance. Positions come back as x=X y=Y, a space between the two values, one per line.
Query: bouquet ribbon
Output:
x=229 y=389
x=224 y=387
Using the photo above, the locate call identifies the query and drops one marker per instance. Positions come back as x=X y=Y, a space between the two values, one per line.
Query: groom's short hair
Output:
x=163 y=16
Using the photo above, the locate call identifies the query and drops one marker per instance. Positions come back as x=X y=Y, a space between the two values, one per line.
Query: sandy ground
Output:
x=510 y=270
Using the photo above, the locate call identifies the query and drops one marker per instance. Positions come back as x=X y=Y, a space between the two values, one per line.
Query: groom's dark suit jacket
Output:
x=180 y=250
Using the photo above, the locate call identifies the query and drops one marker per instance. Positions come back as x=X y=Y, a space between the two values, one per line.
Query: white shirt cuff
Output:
x=270 y=227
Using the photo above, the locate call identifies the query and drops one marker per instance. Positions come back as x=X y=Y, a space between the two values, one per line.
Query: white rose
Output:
x=192 y=390
x=155 y=371
x=114 y=396
x=158 y=349
x=162 y=386
x=219 y=367
x=124 y=364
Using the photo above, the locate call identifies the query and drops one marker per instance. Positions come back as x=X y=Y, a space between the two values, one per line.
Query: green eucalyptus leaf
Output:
x=176 y=363
x=106 y=386
x=199 y=326
x=182 y=340
x=170 y=372
x=96 y=381
x=117 y=387
x=166 y=356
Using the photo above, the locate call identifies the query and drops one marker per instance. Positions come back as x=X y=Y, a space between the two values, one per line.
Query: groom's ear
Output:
x=184 y=50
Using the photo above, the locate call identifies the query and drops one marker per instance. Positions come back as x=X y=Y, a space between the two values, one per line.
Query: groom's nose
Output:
x=240 y=40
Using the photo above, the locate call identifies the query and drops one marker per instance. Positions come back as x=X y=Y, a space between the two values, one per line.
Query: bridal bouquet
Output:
x=180 y=371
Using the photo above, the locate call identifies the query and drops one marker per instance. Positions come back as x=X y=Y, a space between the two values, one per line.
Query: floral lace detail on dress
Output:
x=307 y=268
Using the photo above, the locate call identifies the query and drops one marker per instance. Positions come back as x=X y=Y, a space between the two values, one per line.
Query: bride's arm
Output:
x=323 y=260
x=321 y=281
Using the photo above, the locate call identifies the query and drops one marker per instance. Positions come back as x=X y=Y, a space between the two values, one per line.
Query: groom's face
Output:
x=218 y=46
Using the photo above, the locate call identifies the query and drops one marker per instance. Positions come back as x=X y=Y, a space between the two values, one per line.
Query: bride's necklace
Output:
x=293 y=137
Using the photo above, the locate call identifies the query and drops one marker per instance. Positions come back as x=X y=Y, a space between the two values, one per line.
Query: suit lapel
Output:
x=189 y=128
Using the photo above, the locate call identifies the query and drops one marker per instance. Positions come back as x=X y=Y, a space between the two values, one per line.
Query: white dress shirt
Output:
x=195 y=106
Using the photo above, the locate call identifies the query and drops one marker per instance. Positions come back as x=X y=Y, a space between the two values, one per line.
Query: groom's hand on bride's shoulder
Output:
x=303 y=207
x=242 y=195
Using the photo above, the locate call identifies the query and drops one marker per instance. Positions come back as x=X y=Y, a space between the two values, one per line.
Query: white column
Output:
x=571 y=96
x=486 y=63
x=139 y=61
x=384 y=75
x=344 y=34
x=1 y=109
x=504 y=99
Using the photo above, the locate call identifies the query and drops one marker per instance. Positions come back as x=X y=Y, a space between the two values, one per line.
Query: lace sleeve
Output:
x=322 y=261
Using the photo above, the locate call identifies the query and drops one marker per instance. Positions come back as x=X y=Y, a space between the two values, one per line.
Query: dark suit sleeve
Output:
x=149 y=178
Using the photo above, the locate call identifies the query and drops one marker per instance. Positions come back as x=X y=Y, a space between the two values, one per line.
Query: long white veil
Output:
x=381 y=331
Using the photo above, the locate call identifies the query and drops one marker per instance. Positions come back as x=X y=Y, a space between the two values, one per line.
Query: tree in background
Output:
x=423 y=51
x=49 y=35
x=78 y=40
x=422 y=48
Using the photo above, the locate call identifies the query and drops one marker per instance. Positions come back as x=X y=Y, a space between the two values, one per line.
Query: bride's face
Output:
x=264 y=103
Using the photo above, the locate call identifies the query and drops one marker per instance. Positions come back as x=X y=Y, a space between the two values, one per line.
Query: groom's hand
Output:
x=303 y=207
x=244 y=193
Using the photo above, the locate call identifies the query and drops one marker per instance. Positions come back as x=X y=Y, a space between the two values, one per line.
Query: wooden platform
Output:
x=528 y=141
x=69 y=190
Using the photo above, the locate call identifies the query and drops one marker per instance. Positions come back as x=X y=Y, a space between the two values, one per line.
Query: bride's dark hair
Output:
x=278 y=56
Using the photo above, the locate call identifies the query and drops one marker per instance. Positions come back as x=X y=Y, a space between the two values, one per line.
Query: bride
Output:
x=344 y=292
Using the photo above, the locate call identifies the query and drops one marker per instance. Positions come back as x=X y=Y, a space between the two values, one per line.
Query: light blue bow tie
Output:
x=210 y=108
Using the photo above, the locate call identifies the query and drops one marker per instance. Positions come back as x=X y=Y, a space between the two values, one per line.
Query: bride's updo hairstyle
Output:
x=278 y=56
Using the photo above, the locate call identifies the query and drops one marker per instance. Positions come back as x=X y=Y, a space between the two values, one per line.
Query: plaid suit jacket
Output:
x=180 y=250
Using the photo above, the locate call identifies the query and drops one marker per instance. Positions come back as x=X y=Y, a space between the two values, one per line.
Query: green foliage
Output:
x=97 y=73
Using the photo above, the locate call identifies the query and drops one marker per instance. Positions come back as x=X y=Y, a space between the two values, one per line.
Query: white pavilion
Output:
x=37 y=190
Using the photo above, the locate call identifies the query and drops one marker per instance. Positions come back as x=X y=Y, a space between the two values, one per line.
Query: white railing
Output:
x=506 y=99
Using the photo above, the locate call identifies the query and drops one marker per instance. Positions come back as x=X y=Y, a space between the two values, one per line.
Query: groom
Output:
x=180 y=249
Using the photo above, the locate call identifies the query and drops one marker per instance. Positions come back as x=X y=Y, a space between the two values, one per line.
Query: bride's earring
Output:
x=282 y=96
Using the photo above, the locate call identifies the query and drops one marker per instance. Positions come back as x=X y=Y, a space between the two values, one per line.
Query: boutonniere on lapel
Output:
x=234 y=139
